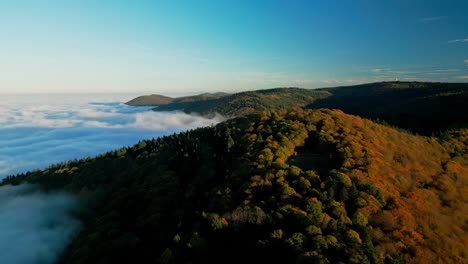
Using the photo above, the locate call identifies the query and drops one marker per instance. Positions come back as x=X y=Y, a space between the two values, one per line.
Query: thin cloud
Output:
x=432 y=19
x=458 y=40
x=404 y=72
x=344 y=81
x=463 y=77
x=303 y=81
x=376 y=70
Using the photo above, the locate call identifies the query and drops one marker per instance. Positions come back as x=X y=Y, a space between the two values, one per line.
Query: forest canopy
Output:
x=421 y=107
x=296 y=186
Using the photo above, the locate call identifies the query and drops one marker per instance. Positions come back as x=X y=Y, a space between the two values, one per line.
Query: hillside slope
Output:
x=157 y=100
x=418 y=106
x=247 y=102
x=289 y=186
x=150 y=100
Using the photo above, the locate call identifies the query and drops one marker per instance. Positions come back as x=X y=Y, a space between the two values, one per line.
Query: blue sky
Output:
x=199 y=46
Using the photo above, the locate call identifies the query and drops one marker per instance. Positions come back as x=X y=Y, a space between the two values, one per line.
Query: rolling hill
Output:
x=418 y=106
x=277 y=186
x=150 y=100
x=158 y=100
x=249 y=102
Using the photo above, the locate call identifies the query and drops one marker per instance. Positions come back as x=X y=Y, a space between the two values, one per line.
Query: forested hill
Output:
x=156 y=100
x=418 y=106
x=286 y=186
x=247 y=102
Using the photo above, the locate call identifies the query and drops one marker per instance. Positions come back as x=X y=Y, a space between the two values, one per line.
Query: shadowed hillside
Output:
x=420 y=107
x=288 y=186
x=417 y=106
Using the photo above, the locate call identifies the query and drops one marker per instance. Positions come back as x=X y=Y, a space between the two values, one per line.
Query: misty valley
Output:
x=39 y=131
x=36 y=131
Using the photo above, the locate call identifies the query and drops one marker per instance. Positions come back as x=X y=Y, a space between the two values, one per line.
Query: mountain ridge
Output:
x=158 y=100
x=421 y=107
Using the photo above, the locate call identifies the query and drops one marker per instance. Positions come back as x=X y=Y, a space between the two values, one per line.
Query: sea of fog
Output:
x=36 y=131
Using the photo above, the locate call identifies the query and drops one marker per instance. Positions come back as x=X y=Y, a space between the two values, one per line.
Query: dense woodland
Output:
x=420 y=107
x=277 y=186
x=248 y=102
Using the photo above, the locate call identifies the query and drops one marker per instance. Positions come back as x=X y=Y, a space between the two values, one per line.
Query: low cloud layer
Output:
x=35 y=227
x=36 y=131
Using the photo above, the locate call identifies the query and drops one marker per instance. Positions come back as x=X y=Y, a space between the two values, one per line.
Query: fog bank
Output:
x=38 y=131
x=35 y=227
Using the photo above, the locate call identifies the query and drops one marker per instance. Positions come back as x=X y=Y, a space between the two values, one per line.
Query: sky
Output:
x=188 y=47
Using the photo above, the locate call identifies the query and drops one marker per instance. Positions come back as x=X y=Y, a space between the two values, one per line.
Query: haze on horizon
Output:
x=142 y=47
